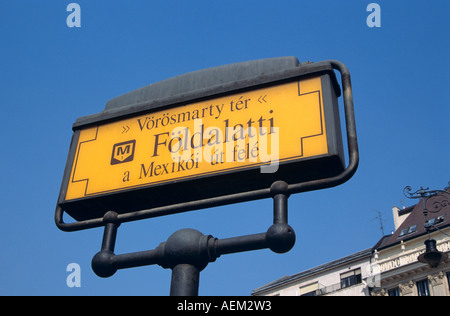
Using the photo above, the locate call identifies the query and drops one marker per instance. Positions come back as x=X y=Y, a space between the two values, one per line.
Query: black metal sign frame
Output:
x=293 y=188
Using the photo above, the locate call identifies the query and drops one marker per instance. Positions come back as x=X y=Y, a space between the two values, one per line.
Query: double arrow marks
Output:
x=125 y=129
x=262 y=99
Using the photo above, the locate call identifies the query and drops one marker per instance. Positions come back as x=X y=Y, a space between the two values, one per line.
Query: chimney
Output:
x=397 y=222
x=401 y=214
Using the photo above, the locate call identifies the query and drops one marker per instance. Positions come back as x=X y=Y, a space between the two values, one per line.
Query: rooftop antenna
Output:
x=380 y=219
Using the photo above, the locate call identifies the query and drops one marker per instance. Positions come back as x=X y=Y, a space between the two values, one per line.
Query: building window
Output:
x=310 y=290
x=423 y=288
x=394 y=292
x=408 y=230
x=312 y=293
x=351 y=278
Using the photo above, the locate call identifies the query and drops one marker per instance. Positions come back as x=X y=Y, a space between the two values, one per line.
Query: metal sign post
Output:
x=187 y=252
x=205 y=136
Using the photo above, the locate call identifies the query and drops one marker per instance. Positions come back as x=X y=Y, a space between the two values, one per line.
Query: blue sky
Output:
x=51 y=74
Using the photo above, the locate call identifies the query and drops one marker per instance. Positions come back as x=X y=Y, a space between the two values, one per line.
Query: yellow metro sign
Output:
x=224 y=144
x=262 y=127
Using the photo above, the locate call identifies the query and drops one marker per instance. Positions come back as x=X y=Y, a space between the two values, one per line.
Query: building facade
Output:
x=396 y=256
x=390 y=268
x=344 y=277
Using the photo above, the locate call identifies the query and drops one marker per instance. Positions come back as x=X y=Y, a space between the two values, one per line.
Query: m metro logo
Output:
x=123 y=152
